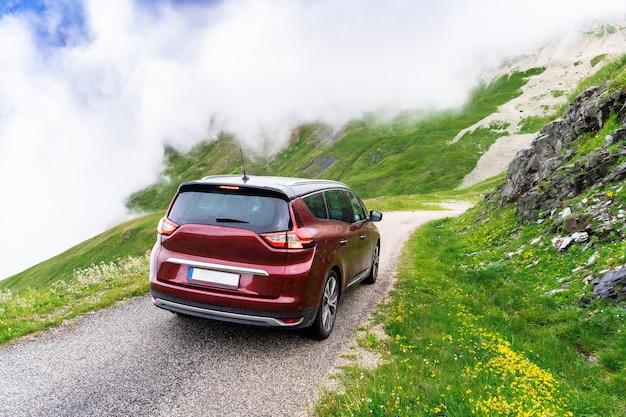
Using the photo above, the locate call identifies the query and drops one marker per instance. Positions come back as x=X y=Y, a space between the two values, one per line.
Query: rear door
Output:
x=217 y=246
x=365 y=231
x=347 y=238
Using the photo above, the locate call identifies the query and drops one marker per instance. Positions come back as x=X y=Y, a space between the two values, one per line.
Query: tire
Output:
x=327 y=310
x=371 y=278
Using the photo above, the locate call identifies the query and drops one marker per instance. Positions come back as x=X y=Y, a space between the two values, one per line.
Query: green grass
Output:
x=534 y=124
x=597 y=59
x=613 y=70
x=471 y=330
x=433 y=201
x=221 y=156
x=133 y=238
x=88 y=289
x=95 y=274
x=592 y=141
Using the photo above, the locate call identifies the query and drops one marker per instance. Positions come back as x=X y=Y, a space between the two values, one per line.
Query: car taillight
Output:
x=166 y=227
x=297 y=239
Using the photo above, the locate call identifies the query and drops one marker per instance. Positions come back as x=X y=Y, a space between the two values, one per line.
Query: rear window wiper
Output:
x=228 y=220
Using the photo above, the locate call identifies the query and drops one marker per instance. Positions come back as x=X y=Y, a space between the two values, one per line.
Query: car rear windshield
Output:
x=252 y=211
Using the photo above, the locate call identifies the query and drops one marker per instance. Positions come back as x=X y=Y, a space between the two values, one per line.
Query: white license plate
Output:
x=223 y=279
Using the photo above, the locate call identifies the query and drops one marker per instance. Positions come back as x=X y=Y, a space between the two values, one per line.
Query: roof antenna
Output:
x=243 y=165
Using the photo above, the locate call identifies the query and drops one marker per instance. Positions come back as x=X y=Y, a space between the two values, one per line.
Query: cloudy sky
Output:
x=91 y=90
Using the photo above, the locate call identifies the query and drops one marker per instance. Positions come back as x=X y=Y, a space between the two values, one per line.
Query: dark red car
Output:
x=268 y=251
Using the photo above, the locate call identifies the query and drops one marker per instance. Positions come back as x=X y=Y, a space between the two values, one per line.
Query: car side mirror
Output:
x=376 y=216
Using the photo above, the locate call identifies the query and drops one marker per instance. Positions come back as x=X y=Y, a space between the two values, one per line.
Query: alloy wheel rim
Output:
x=375 y=262
x=329 y=307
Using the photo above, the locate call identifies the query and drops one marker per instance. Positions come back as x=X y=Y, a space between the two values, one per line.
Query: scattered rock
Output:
x=562 y=288
x=590 y=279
x=562 y=243
x=612 y=286
x=592 y=258
x=585 y=300
x=575 y=223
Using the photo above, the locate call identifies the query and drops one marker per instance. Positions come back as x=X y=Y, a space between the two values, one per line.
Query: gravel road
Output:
x=136 y=360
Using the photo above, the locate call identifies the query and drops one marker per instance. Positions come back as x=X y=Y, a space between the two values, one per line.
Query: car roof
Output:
x=289 y=186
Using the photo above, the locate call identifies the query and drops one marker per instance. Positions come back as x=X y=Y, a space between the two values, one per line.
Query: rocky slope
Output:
x=567 y=62
x=572 y=178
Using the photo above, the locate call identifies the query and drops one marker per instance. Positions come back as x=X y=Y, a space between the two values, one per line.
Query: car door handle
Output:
x=343 y=242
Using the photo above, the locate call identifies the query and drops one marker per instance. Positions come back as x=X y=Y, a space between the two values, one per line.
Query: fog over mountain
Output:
x=90 y=91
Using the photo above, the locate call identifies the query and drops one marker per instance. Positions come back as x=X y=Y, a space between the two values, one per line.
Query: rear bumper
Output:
x=234 y=315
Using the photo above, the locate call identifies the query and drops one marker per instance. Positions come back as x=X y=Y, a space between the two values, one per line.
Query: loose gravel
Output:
x=136 y=360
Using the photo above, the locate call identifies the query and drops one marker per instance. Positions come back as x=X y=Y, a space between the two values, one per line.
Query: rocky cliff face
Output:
x=539 y=179
x=545 y=180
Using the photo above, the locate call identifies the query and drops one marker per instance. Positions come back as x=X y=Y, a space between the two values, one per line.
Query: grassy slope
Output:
x=133 y=238
x=486 y=319
x=92 y=275
x=474 y=330
x=410 y=154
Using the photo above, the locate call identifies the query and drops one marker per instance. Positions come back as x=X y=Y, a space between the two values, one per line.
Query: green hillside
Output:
x=409 y=154
x=133 y=238
x=91 y=275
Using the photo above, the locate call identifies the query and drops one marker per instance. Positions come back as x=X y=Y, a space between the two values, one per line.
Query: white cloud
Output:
x=82 y=125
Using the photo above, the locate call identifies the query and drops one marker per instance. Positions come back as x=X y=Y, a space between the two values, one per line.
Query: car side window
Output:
x=339 y=206
x=357 y=207
x=317 y=205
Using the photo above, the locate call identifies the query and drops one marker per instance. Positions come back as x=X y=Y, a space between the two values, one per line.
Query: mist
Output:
x=91 y=91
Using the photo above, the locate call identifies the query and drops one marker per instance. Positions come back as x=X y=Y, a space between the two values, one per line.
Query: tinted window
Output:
x=338 y=206
x=261 y=214
x=357 y=208
x=317 y=205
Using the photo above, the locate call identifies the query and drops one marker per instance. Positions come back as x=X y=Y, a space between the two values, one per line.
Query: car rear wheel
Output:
x=327 y=311
x=371 y=278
